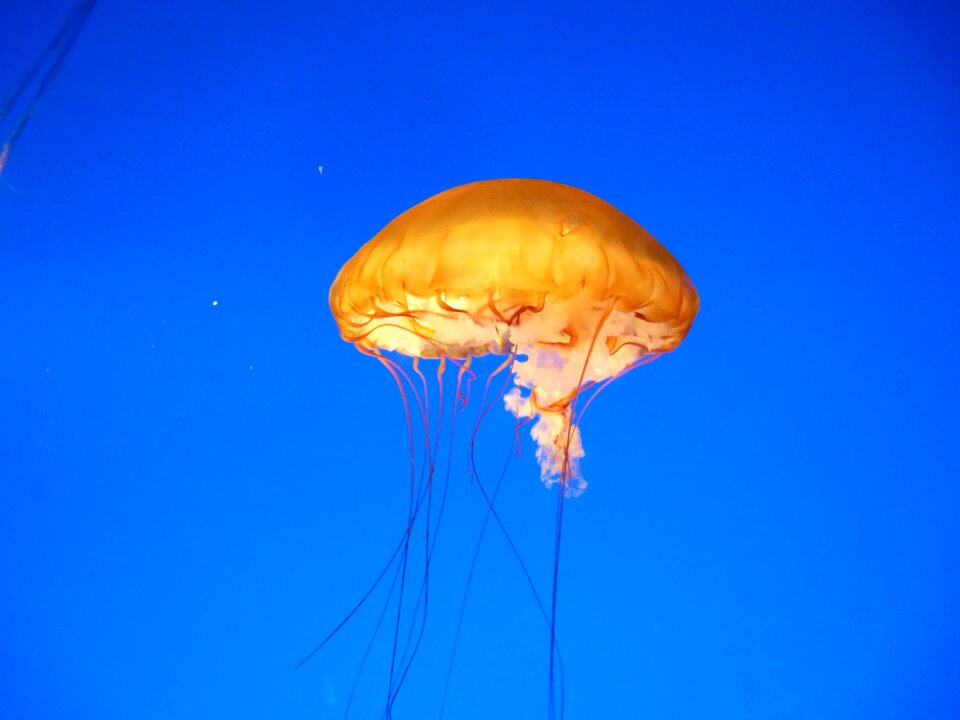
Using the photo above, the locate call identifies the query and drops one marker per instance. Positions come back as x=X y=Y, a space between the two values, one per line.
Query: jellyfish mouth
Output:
x=559 y=448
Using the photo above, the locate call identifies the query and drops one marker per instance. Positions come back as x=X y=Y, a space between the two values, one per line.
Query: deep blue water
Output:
x=199 y=479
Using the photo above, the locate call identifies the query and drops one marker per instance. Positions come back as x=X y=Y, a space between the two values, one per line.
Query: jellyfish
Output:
x=569 y=290
x=48 y=63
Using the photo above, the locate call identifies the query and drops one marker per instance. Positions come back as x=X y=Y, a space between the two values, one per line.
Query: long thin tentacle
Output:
x=59 y=47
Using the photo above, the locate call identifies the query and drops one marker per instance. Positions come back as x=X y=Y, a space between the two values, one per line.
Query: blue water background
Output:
x=198 y=478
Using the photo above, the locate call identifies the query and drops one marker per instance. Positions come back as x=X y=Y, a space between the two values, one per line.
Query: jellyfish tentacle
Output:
x=59 y=47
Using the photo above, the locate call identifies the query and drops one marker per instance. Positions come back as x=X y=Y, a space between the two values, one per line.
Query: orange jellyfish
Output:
x=571 y=290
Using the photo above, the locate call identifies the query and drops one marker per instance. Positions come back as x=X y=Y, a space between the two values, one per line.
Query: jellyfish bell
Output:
x=571 y=288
